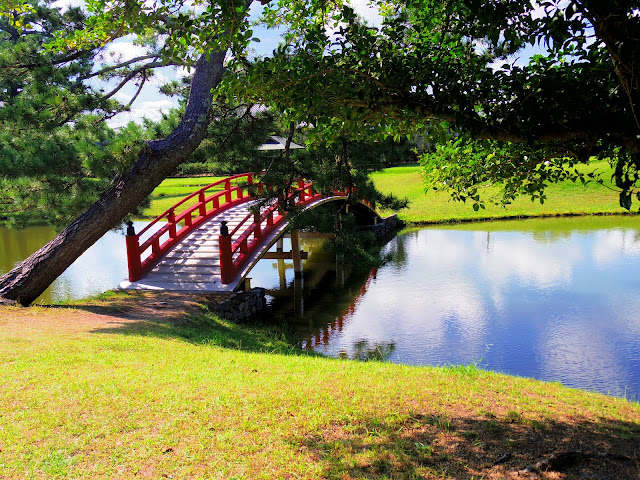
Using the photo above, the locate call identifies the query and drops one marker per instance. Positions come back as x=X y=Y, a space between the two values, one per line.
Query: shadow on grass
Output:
x=184 y=317
x=435 y=446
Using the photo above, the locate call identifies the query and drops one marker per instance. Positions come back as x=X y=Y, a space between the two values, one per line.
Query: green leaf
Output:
x=625 y=200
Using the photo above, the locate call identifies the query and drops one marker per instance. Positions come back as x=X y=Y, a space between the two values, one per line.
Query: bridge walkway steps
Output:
x=193 y=265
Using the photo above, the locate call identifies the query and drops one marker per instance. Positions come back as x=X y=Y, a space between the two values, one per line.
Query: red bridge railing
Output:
x=234 y=254
x=143 y=254
x=147 y=246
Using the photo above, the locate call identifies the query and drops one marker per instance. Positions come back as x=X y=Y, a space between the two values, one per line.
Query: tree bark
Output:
x=159 y=158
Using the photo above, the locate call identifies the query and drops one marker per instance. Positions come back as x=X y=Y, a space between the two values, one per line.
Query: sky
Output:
x=151 y=103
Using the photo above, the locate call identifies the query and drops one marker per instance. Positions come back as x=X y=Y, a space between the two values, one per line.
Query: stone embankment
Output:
x=385 y=227
x=242 y=305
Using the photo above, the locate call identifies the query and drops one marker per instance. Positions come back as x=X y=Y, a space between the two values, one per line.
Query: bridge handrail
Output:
x=249 y=176
x=135 y=249
x=271 y=208
x=181 y=216
x=303 y=196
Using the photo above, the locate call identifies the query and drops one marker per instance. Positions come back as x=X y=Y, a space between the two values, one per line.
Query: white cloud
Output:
x=161 y=77
x=368 y=11
x=64 y=4
x=123 y=49
x=608 y=244
x=533 y=263
x=150 y=109
x=182 y=72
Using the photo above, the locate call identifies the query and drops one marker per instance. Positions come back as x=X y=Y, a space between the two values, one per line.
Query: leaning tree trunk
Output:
x=31 y=277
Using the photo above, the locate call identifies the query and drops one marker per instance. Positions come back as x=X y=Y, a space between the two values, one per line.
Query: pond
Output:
x=553 y=299
x=102 y=267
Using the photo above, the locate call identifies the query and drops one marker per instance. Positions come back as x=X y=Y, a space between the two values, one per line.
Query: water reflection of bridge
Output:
x=310 y=304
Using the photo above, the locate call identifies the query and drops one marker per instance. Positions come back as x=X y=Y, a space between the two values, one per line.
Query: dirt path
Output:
x=91 y=315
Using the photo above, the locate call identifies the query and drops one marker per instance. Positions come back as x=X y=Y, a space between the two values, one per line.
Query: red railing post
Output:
x=171 y=219
x=227 y=187
x=203 y=205
x=133 y=254
x=226 y=259
x=301 y=188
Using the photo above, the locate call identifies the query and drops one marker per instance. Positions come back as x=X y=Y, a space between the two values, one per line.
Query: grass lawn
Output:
x=567 y=198
x=172 y=190
x=139 y=386
x=434 y=206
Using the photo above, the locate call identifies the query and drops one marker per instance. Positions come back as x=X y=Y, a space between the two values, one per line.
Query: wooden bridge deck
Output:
x=193 y=265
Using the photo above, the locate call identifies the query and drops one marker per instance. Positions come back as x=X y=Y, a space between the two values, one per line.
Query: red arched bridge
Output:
x=210 y=240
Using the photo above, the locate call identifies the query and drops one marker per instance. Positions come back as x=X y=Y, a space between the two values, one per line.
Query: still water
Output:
x=553 y=299
x=102 y=267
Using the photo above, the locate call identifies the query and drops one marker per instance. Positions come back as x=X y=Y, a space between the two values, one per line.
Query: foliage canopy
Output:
x=448 y=70
x=451 y=70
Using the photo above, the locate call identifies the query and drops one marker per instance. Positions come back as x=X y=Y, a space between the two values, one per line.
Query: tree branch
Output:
x=124 y=64
x=132 y=75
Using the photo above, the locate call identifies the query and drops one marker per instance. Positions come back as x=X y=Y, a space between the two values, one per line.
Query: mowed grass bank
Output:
x=130 y=387
x=566 y=198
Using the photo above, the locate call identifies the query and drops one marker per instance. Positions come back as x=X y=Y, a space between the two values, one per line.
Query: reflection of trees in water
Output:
x=364 y=351
x=323 y=335
x=397 y=249
x=551 y=230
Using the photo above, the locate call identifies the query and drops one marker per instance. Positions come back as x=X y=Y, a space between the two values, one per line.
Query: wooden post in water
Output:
x=282 y=273
x=280 y=245
x=295 y=253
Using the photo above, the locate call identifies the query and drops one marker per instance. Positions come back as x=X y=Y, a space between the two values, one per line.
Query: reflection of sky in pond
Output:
x=102 y=267
x=562 y=307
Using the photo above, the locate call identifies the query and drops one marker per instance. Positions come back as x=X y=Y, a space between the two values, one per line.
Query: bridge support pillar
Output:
x=226 y=258
x=295 y=253
x=282 y=276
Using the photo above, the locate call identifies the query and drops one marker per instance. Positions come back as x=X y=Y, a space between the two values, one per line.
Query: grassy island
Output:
x=156 y=386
